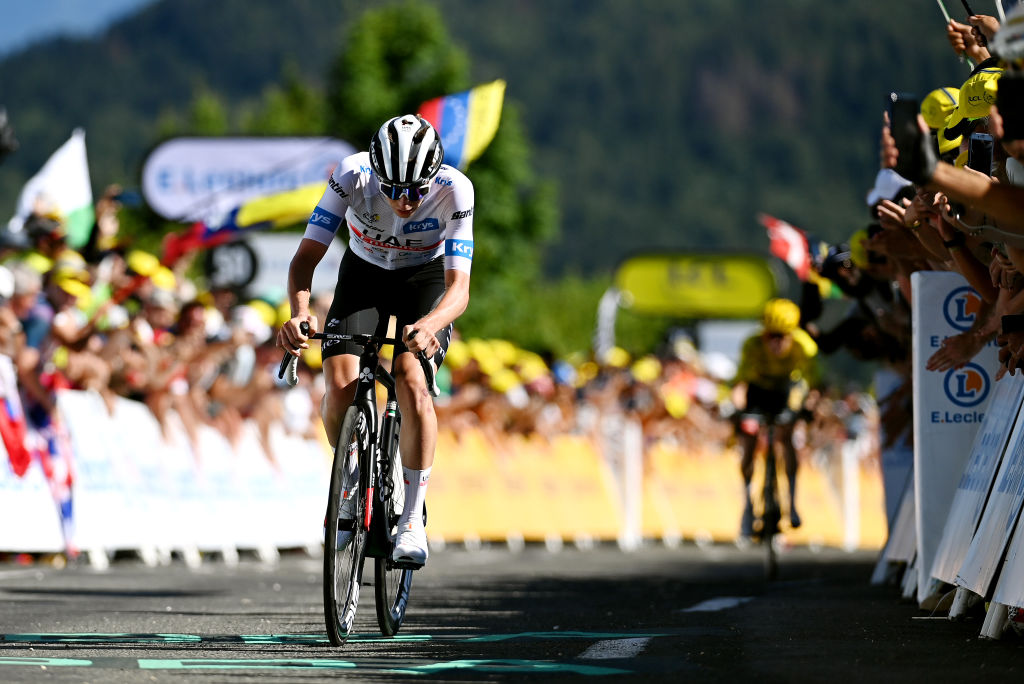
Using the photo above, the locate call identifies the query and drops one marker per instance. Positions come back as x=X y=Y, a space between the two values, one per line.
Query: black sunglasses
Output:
x=415 y=193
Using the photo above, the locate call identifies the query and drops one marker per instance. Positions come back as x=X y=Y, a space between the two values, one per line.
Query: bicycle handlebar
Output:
x=289 y=363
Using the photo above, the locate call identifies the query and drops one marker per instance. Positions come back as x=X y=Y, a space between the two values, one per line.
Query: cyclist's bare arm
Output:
x=452 y=305
x=300 y=285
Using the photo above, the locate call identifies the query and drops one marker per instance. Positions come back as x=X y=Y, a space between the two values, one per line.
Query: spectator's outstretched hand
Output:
x=1011 y=354
x=956 y=351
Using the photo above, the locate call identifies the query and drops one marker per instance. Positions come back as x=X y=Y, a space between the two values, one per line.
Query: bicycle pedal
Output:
x=406 y=565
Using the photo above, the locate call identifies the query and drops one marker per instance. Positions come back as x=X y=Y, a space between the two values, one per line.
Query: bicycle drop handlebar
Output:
x=289 y=363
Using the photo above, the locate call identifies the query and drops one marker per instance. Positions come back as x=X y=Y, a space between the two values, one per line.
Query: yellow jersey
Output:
x=760 y=367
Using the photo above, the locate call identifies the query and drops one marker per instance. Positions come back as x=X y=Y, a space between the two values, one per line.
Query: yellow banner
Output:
x=697 y=285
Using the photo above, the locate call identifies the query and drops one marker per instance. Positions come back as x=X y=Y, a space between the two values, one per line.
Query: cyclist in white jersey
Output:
x=409 y=220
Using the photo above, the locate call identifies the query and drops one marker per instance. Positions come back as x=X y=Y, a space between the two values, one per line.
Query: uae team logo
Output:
x=968 y=386
x=962 y=307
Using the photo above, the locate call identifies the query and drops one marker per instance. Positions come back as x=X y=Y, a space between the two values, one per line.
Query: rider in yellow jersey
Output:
x=776 y=365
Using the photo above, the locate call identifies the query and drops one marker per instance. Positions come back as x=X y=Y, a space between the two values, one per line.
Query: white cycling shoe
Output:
x=411 y=545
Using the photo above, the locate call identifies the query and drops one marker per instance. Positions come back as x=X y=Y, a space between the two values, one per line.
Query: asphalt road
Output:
x=684 y=614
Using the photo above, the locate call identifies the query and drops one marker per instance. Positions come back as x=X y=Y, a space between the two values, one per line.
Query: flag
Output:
x=61 y=186
x=788 y=243
x=466 y=121
x=265 y=212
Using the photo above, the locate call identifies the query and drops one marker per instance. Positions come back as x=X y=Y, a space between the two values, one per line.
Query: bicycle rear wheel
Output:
x=345 y=540
x=391 y=585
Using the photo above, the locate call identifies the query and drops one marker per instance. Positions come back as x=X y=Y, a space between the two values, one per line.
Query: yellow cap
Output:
x=284 y=313
x=265 y=311
x=977 y=95
x=617 y=357
x=946 y=145
x=163 y=278
x=142 y=263
x=503 y=380
x=458 y=354
x=938 y=105
x=646 y=369
x=858 y=251
x=75 y=288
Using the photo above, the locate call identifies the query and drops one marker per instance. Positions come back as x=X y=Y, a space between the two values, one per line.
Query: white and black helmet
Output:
x=405 y=154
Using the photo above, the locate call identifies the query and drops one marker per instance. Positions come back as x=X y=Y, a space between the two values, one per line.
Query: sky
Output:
x=26 y=22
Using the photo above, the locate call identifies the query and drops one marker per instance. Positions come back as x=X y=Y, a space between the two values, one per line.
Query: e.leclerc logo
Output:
x=961 y=308
x=966 y=387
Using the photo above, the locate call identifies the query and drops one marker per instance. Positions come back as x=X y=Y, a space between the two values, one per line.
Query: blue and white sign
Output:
x=200 y=179
x=949 y=406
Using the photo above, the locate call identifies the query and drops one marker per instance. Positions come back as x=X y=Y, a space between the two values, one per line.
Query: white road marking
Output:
x=615 y=648
x=28 y=572
x=720 y=603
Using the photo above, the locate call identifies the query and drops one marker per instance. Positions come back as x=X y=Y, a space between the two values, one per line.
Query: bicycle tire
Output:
x=391 y=585
x=343 y=567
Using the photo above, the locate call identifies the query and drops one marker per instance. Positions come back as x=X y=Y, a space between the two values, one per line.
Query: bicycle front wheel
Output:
x=391 y=585
x=345 y=534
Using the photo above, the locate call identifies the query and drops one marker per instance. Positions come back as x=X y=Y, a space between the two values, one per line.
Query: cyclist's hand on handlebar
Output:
x=417 y=339
x=290 y=337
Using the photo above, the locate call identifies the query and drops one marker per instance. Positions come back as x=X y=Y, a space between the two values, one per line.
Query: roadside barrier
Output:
x=961 y=510
x=138 y=489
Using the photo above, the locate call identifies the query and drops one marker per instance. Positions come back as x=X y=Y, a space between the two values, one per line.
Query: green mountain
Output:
x=665 y=123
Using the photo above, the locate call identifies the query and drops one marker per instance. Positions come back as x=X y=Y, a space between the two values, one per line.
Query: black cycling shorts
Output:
x=765 y=401
x=367 y=296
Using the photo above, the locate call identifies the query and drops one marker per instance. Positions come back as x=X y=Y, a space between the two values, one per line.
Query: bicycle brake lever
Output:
x=289 y=368
x=428 y=369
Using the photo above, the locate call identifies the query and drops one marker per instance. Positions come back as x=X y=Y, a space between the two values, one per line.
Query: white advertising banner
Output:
x=949 y=406
x=274 y=252
x=985 y=555
x=30 y=521
x=1010 y=586
x=202 y=179
x=976 y=481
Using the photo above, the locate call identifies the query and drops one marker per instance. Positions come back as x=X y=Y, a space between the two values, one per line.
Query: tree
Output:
x=397 y=58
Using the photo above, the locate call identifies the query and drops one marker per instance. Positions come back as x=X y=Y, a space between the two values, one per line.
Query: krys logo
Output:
x=962 y=307
x=967 y=386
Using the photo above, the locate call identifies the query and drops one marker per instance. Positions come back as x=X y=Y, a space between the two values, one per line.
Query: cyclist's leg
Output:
x=340 y=374
x=785 y=436
x=748 y=445
x=420 y=293
x=353 y=311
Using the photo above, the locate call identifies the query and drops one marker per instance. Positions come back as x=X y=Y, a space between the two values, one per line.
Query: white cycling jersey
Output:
x=442 y=224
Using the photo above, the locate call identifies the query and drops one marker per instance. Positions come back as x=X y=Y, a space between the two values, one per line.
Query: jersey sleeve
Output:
x=746 y=367
x=329 y=214
x=458 y=241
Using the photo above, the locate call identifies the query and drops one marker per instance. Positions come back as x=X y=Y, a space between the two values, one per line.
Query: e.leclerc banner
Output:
x=949 y=406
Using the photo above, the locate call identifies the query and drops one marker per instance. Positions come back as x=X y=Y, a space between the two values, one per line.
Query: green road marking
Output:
x=243 y=664
x=509 y=666
x=45 y=662
x=120 y=638
x=312 y=639
x=560 y=635
x=100 y=638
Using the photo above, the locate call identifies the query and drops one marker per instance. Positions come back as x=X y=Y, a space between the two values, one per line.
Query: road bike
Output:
x=367 y=480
